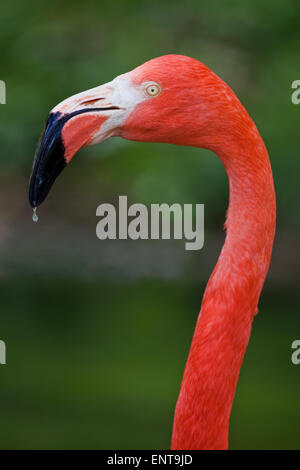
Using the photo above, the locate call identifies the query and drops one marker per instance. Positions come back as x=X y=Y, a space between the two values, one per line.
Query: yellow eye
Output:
x=152 y=90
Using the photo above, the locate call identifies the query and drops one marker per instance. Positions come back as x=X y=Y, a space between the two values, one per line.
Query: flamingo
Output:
x=177 y=99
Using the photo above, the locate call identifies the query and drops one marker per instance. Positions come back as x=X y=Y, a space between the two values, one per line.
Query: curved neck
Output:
x=230 y=300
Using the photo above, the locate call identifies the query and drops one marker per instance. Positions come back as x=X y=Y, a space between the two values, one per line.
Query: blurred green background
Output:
x=97 y=333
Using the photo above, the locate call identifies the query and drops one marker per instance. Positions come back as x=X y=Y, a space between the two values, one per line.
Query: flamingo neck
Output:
x=230 y=300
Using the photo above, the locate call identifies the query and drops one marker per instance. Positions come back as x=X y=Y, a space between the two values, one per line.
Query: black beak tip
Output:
x=32 y=197
x=33 y=202
x=49 y=160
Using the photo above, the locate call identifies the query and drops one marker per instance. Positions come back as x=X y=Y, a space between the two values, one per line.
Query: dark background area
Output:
x=98 y=333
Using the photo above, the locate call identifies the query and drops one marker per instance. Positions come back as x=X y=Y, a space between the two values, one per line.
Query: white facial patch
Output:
x=126 y=96
x=120 y=94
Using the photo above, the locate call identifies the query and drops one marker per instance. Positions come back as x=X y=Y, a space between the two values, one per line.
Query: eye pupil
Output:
x=153 y=90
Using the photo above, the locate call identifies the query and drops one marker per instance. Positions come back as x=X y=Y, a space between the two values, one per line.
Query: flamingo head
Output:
x=172 y=99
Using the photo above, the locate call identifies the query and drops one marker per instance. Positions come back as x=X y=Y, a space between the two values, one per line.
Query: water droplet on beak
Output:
x=34 y=215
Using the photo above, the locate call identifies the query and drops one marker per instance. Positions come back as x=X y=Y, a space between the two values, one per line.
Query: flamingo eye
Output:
x=152 y=90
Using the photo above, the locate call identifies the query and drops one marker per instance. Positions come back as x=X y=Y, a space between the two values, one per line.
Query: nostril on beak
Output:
x=108 y=105
x=92 y=101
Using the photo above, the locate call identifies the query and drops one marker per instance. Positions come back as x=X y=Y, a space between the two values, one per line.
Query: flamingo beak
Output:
x=73 y=124
x=49 y=160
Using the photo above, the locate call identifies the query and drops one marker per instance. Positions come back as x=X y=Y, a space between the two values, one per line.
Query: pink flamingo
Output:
x=178 y=100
